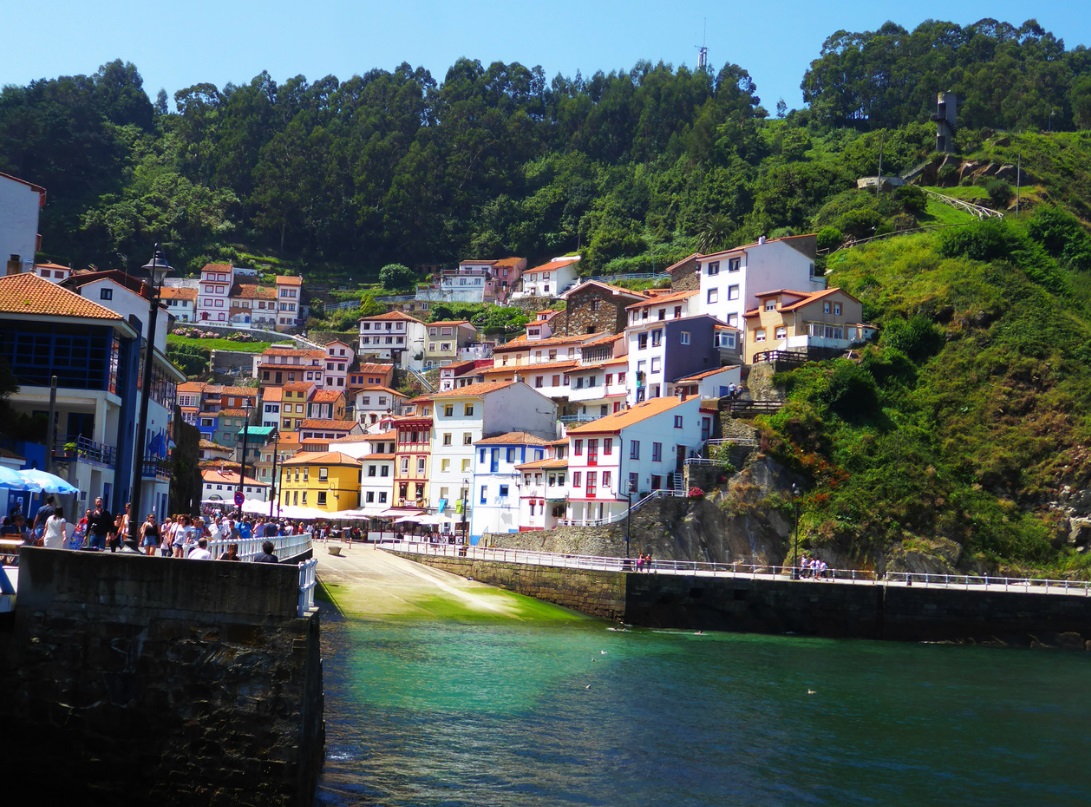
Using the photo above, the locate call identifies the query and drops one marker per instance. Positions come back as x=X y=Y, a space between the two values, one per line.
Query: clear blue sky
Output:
x=177 y=44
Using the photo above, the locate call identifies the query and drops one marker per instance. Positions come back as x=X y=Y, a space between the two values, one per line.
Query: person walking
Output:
x=149 y=535
x=41 y=517
x=99 y=524
x=55 y=533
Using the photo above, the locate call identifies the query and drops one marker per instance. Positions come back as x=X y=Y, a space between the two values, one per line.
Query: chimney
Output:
x=15 y=265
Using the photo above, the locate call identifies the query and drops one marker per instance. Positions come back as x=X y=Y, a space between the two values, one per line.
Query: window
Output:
x=449 y=411
x=837 y=309
x=713 y=268
x=825 y=308
x=511 y=455
x=106 y=294
x=606 y=479
x=657 y=338
x=733 y=292
x=370 y=497
x=656 y=364
x=634 y=449
x=759 y=335
x=371 y=470
x=323 y=474
x=484 y=490
x=467 y=438
x=384 y=470
x=447 y=438
x=662 y=314
x=420 y=465
x=322 y=497
x=733 y=264
x=657 y=452
x=577 y=477
x=609 y=379
x=781 y=332
x=771 y=305
x=733 y=320
x=445 y=465
x=677 y=421
x=607 y=446
x=382 y=497
x=468 y=410
x=503 y=491
x=684 y=337
x=713 y=296
x=465 y=466
x=641 y=341
x=539 y=381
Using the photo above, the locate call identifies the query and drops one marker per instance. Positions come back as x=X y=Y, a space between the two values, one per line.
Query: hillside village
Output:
x=601 y=401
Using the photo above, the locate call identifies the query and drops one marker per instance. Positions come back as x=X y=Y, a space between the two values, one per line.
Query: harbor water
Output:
x=520 y=703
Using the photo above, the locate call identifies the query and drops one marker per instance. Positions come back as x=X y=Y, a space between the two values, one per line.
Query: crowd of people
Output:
x=180 y=536
x=812 y=568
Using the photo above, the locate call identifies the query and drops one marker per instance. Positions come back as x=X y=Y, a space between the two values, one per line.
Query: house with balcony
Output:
x=254 y=306
x=214 y=293
x=732 y=279
x=663 y=350
x=543 y=494
x=497 y=481
x=20 y=204
x=327 y=404
x=393 y=338
x=289 y=300
x=282 y=364
x=444 y=341
x=640 y=449
x=462 y=374
x=818 y=324
x=411 y=457
x=715 y=383
x=328 y=481
x=551 y=279
x=94 y=352
x=464 y=416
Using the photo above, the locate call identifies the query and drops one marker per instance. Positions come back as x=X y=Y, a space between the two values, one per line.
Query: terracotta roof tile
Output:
x=322 y=458
x=473 y=390
x=396 y=316
x=556 y=263
x=513 y=438
x=705 y=374
x=334 y=425
x=289 y=280
x=327 y=396
x=547 y=464
x=177 y=293
x=661 y=299
x=27 y=293
x=627 y=417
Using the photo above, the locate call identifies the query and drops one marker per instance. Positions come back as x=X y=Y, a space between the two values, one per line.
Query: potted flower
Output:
x=695 y=493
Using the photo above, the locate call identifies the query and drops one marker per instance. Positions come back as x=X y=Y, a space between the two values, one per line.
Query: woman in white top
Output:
x=56 y=531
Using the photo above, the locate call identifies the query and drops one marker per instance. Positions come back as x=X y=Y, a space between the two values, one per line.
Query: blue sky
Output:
x=176 y=44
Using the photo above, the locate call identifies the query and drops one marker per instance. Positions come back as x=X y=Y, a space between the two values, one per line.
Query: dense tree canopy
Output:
x=632 y=168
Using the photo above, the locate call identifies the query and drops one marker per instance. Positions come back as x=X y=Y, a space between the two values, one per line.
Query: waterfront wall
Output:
x=151 y=680
x=806 y=607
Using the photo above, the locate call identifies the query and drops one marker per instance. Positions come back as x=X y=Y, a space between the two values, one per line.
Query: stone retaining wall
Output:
x=140 y=680
x=805 y=608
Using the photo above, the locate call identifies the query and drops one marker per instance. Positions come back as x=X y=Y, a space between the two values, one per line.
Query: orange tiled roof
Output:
x=391 y=315
x=660 y=299
x=705 y=374
x=522 y=343
x=335 y=425
x=450 y=323
x=321 y=458
x=547 y=464
x=555 y=264
x=234 y=413
x=289 y=280
x=327 y=396
x=379 y=369
x=272 y=394
x=512 y=261
x=240 y=392
x=616 y=290
x=744 y=247
x=473 y=390
x=298 y=386
x=252 y=291
x=513 y=438
x=674 y=266
x=377 y=457
x=216 y=267
x=215 y=477
x=27 y=293
x=527 y=369
x=177 y=293
x=387 y=390
x=627 y=417
x=192 y=386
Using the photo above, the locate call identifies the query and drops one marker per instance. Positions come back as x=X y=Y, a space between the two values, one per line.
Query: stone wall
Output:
x=685 y=276
x=591 y=309
x=805 y=608
x=140 y=680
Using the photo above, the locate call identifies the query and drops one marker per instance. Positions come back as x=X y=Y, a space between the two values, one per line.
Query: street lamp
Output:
x=245 y=434
x=465 y=507
x=795 y=547
x=158 y=269
x=628 y=514
x=273 y=480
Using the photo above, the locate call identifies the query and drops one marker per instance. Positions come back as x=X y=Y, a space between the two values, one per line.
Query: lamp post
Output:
x=245 y=434
x=795 y=546
x=157 y=270
x=465 y=507
x=628 y=514
x=273 y=480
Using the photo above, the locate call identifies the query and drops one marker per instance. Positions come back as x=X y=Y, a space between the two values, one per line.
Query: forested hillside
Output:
x=632 y=168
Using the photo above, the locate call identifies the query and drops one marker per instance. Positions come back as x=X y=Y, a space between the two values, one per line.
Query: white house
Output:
x=180 y=301
x=372 y=404
x=214 y=294
x=550 y=279
x=289 y=294
x=395 y=338
x=640 y=449
x=497 y=480
x=543 y=495
x=376 y=455
x=339 y=357
x=221 y=484
x=53 y=272
x=20 y=202
x=731 y=280
x=464 y=416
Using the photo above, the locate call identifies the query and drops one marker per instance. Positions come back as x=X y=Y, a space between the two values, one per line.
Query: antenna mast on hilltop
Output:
x=702 y=51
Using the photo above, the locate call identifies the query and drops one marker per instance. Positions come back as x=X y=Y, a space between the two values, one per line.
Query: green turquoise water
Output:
x=556 y=710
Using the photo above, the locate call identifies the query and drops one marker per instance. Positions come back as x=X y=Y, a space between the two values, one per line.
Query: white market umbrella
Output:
x=256 y=508
x=11 y=480
x=43 y=482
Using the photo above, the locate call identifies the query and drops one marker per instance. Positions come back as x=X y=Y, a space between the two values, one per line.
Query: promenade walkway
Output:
x=850 y=577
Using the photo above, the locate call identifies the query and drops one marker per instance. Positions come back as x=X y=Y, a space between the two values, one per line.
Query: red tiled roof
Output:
x=327 y=396
x=744 y=247
x=27 y=293
x=321 y=458
x=215 y=477
x=177 y=293
x=556 y=263
x=705 y=374
x=627 y=417
x=661 y=299
x=546 y=464
x=396 y=316
x=335 y=425
x=473 y=390
x=251 y=291
x=513 y=438
x=449 y=322
x=289 y=280
x=216 y=267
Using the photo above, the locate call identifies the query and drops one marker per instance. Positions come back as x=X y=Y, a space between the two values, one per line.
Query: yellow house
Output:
x=802 y=321
x=327 y=481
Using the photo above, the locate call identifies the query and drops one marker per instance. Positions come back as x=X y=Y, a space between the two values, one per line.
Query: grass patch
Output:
x=217 y=344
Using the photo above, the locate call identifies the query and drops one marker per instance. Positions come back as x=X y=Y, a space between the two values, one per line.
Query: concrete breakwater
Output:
x=140 y=680
x=809 y=608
